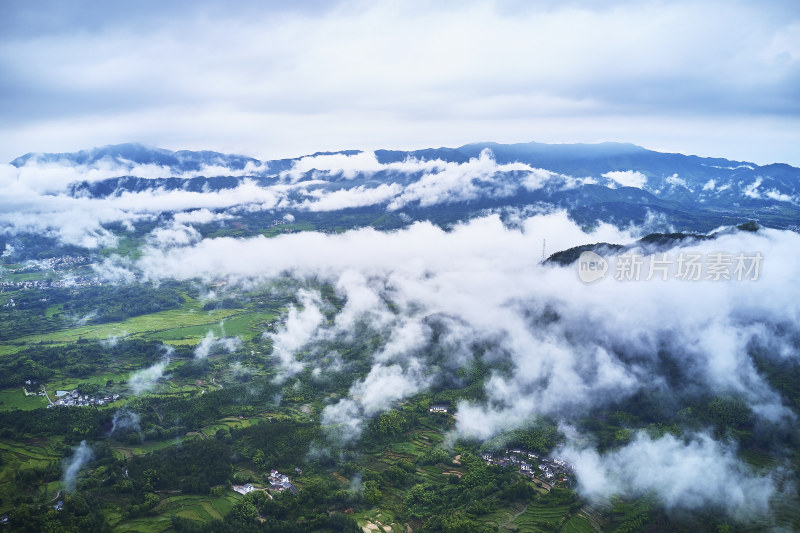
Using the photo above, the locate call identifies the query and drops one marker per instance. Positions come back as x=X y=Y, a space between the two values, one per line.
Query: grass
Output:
x=230 y=423
x=244 y=325
x=25 y=453
x=11 y=399
x=126 y=246
x=131 y=450
x=52 y=310
x=28 y=276
x=193 y=507
x=538 y=516
x=578 y=524
x=138 y=325
x=29 y=452
x=70 y=383
x=7 y=350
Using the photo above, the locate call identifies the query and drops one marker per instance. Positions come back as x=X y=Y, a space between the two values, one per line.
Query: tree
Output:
x=258 y=458
x=244 y=511
x=372 y=493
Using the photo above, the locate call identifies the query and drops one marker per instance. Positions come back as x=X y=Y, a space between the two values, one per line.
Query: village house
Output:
x=281 y=482
x=551 y=469
x=74 y=398
x=244 y=489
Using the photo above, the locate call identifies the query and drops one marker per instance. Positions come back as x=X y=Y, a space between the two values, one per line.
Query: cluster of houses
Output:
x=549 y=470
x=281 y=482
x=51 y=263
x=281 y=321
x=47 y=284
x=277 y=482
x=438 y=408
x=75 y=399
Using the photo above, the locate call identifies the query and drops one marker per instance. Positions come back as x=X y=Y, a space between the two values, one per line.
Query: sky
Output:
x=282 y=79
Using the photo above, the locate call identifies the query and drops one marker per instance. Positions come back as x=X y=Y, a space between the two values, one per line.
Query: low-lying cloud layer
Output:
x=568 y=347
x=37 y=197
x=693 y=474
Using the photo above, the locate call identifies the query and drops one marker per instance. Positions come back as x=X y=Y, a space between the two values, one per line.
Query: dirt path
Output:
x=589 y=514
x=47 y=396
x=510 y=520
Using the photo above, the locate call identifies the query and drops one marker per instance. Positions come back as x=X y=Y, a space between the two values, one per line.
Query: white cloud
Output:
x=353 y=197
x=301 y=325
x=348 y=166
x=174 y=235
x=199 y=216
x=146 y=379
x=751 y=191
x=774 y=194
x=80 y=220
x=688 y=475
x=568 y=347
x=212 y=342
x=459 y=182
x=627 y=178
x=487 y=279
x=680 y=182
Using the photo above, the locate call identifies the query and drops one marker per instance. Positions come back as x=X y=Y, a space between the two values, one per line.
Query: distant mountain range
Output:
x=614 y=182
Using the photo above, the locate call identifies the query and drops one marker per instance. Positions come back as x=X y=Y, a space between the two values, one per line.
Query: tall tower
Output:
x=544 y=256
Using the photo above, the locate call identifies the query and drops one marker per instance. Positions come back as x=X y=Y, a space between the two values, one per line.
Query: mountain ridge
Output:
x=612 y=182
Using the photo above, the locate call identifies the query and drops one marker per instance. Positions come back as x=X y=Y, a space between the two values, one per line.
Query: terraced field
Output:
x=28 y=453
x=201 y=508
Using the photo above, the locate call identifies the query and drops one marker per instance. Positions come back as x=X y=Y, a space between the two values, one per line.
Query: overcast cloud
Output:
x=271 y=80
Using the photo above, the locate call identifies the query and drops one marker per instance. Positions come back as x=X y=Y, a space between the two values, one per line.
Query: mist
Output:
x=38 y=197
x=81 y=455
x=570 y=347
x=211 y=343
x=696 y=473
x=125 y=420
x=146 y=379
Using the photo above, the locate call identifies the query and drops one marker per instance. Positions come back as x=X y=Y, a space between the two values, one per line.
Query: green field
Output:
x=27 y=453
x=200 y=508
x=15 y=399
x=138 y=325
x=244 y=325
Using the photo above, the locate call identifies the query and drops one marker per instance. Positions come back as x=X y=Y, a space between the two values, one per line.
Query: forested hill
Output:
x=613 y=182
